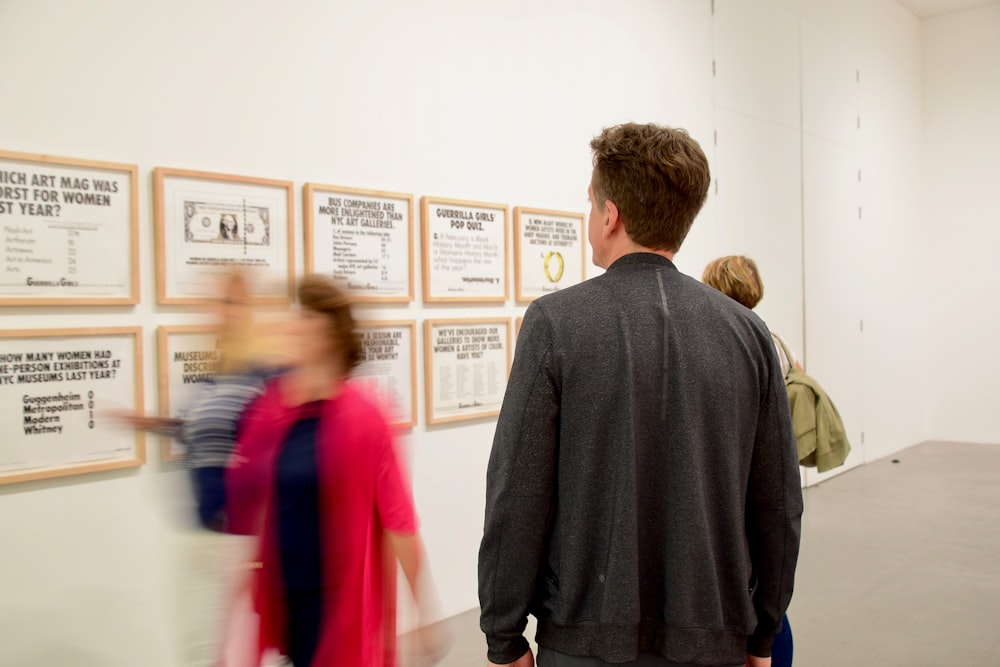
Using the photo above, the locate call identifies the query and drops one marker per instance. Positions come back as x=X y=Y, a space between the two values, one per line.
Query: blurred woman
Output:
x=207 y=582
x=208 y=429
x=737 y=277
x=317 y=476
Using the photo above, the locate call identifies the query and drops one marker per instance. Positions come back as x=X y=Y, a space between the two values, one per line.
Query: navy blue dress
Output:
x=299 y=539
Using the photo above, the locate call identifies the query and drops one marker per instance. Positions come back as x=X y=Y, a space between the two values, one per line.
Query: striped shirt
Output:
x=208 y=431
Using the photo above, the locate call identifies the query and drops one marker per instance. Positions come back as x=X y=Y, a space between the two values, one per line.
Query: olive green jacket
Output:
x=819 y=431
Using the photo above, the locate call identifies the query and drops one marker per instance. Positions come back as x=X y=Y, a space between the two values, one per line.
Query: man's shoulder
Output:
x=613 y=286
x=723 y=305
x=571 y=294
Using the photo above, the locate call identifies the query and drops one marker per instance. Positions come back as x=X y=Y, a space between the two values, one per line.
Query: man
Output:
x=643 y=496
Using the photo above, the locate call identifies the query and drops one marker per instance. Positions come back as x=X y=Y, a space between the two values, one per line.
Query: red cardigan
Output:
x=363 y=493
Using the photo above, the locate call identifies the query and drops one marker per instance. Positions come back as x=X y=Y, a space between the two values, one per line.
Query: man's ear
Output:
x=613 y=220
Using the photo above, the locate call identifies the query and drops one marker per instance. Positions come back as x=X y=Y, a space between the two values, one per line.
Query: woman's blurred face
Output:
x=313 y=339
x=233 y=307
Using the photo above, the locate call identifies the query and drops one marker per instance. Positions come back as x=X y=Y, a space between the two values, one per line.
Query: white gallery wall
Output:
x=862 y=221
x=484 y=101
x=962 y=105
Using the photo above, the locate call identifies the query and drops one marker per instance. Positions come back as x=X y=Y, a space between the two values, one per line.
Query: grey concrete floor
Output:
x=900 y=566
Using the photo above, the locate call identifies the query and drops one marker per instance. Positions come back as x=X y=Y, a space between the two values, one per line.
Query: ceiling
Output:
x=927 y=8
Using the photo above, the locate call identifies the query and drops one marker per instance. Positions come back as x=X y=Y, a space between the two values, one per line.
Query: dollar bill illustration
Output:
x=236 y=224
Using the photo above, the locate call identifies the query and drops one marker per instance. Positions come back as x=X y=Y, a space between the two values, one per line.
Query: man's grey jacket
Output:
x=643 y=491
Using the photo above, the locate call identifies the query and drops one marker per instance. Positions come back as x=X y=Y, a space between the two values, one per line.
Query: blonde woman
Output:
x=737 y=277
x=208 y=428
x=207 y=584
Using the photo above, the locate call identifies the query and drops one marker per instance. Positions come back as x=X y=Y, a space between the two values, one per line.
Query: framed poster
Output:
x=207 y=223
x=466 y=366
x=550 y=251
x=389 y=368
x=187 y=356
x=464 y=250
x=361 y=238
x=54 y=383
x=62 y=219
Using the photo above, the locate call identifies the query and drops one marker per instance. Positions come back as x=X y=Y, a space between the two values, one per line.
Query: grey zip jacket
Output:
x=643 y=490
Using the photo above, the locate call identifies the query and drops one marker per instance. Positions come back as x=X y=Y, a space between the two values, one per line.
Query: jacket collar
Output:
x=641 y=259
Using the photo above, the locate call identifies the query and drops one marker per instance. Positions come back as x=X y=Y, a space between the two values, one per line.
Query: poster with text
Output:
x=389 y=369
x=56 y=387
x=209 y=224
x=69 y=231
x=549 y=251
x=464 y=250
x=187 y=357
x=363 y=239
x=466 y=366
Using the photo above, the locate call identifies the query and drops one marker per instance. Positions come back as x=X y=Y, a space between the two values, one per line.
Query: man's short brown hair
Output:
x=322 y=295
x=658 y=177
x=737 y=277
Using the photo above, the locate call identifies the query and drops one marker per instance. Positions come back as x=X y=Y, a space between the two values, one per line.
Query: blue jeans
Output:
x=781 y=652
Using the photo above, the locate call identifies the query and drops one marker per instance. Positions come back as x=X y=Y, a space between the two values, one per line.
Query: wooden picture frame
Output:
x=170 y=402
x=545 y=259
x=450 y=348
x=208 y=222
x=380 y=370
x=451 y=227
x=357 y=220
x=63 y=218
x=64 y=417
